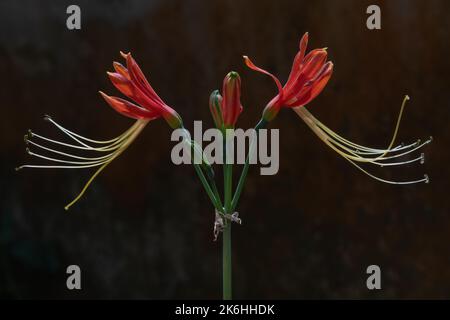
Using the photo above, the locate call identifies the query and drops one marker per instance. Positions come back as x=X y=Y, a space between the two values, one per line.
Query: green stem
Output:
x=207 y=183
x=212 y=183
x=226 y=262
x=261 y=124
x=226 y=236
x=207 y=187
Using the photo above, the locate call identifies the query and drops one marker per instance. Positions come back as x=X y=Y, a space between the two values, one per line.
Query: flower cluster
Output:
x=309 y=75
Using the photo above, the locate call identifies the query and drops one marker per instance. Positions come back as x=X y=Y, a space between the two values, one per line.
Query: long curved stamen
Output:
x=61 y=160
x=64 y=153
x=114 y=146
x=391 y=144
x=71 y=133
x=353 y=152
x=83 y=146
x=425 y=178
x=357 y=157
x=133 y=136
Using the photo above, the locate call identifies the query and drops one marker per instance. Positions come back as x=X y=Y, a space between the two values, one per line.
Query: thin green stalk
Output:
x=226 y=262
x=212 y=193
x=212 y=183
x=226 y=236
x=261 y=124
x=207 y=187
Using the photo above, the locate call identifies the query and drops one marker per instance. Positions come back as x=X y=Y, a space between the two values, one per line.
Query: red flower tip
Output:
x=121 y=69
x=304 y=42
x=231 y=102
x=124 y=55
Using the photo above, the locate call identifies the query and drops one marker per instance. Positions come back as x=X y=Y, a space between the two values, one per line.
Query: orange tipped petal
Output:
x=128 y=109
x=314 y=62
x=139 y=80
x=322 y=79
x=121 y=83
x=252 y=66
x=120 y=68
x=304 y=43
x=124 y=55
x=313 y=88
x=298 y=60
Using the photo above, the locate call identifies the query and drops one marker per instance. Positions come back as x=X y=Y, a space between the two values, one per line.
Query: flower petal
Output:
x=298 y=59
x=120 y=68
x=252 y=66
x=322 y=79
x=314 y=87
x=309 y=69
x=122 y=84
x=129 y=109
x=138 y=78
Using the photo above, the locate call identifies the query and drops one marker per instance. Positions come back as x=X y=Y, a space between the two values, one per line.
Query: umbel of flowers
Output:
x=309 y=75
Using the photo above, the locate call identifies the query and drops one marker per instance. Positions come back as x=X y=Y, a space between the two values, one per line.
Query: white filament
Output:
x=114 y=147
x=353 y=152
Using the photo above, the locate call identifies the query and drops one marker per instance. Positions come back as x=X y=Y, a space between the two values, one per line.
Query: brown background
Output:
x=144 y=229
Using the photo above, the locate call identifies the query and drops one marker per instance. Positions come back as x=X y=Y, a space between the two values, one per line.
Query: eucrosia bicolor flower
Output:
x=309 y=75
x=226 y=110
x=132 y=83
x=148 y=106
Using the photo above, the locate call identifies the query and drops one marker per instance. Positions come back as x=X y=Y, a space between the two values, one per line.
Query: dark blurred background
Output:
x=144 y=228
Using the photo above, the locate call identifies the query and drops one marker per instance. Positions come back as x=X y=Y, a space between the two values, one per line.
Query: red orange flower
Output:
x=132 y=83
x=308 y=77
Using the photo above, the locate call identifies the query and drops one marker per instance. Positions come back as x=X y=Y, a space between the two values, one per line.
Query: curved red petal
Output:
x=138 y=78
x=252 y=66
x=314 y=87
x=120 y=68
x=308 y=71
x=321 y=81
x=122 y=84
x=314 y=63
x=129 y=109
x=295 y=71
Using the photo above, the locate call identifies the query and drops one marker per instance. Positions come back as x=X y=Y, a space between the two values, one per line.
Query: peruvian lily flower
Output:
x=148 y=106
x=308 y=77
x=226 y=110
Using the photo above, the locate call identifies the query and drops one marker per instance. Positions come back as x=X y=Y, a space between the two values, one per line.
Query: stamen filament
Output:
x=66 y=154
x=399 y=118
x=142 y=124
x=353 y=152
x=116 y=146
x=55 y=167
x=387 y=164
x=66 y=161
x=111 y=147
x=68 y=132
x=425 y=178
